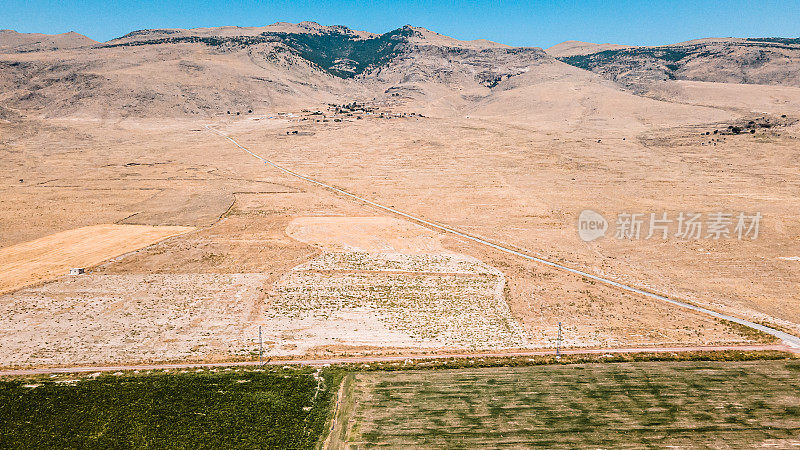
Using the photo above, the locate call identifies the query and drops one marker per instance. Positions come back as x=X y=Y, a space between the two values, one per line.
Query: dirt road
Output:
x=377 y=359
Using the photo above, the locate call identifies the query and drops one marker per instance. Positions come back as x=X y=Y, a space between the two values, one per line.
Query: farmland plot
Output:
x=52 y=256
x=640 y=404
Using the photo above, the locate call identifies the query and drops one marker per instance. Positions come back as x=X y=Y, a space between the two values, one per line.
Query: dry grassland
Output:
x=519 y=180
x=525 y=186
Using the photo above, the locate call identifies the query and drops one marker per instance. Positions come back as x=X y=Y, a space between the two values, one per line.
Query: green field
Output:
x=179 y=410
x=736 y=404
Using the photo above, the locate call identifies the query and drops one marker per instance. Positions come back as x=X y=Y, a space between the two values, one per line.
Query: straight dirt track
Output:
x=377 y=359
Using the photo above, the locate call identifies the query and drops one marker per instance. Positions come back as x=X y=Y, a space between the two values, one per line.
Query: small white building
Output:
x=77 y=271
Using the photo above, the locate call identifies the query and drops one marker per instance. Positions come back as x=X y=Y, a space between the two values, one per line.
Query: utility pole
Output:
x=558 y=342
x=260 y=346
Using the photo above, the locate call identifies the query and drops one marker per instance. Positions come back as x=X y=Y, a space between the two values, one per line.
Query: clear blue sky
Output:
x=532 y=23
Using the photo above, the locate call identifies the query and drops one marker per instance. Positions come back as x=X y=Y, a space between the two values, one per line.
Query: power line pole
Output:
x=558 y=342
x=260 y=346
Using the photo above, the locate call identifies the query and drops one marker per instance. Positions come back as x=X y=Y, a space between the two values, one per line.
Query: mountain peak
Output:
x=574 y=48
x=24 y=42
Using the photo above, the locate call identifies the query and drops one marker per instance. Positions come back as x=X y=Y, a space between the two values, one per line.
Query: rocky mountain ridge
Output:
x=209 y=71
x=771 y=61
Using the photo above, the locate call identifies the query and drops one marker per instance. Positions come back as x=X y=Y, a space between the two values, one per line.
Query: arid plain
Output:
x=323 y=274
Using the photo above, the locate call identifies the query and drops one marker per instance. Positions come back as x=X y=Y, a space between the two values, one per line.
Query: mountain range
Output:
x=212 y=71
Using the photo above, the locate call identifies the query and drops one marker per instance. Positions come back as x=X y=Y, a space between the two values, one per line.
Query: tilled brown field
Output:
x=52 y=256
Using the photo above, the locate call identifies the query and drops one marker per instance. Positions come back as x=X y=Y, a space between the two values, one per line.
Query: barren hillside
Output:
x=229 y=70
x=11 y=41
x=573 y=48
x=210 y=72
x=771 y=61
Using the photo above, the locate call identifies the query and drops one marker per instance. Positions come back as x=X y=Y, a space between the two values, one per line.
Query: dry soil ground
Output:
x=514 y=180
x=52 y=256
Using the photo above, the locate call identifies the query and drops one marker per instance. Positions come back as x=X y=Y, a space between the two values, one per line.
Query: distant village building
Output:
x=77 y=271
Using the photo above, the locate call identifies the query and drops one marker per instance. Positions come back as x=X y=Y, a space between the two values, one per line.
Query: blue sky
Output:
x=532 y=23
